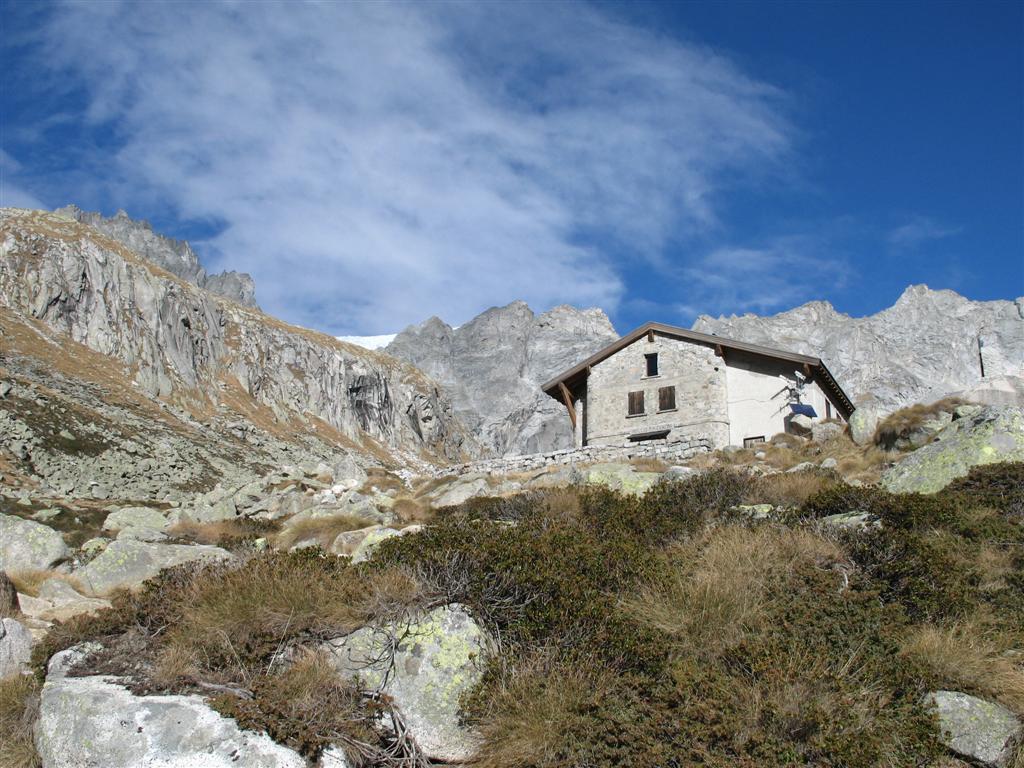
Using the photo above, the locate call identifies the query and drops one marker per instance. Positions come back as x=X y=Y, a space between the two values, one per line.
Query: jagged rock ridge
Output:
x=493 y=366
x=201 y=356
x=176 y=256
x=927 y=345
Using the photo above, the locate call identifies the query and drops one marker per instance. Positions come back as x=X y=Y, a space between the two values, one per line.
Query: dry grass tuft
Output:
x=787 y=489
x=412 y=511
x=648 y=464
x=382 y=480
x=969 y=656
x=8 y=597
x=537 y=711
x=19 y=703
x=322 y=530
x=220 y=531
x=29 y=582
x=721 y=583
x=902 y=422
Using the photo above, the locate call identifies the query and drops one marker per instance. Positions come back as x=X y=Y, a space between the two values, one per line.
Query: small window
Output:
x=828 y=410
x=636 y=403
x=749 y=442
x=652 y=364
x=666 y=398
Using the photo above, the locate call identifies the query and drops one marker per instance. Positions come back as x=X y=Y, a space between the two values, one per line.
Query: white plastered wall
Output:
x=758 y=399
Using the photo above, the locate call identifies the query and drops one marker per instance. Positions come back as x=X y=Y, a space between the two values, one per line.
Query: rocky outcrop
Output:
x=97 y=721
x=492 y=368
x=424 y=667
x=176 y=256
x=981 y=731
x=989 y=435
x=26 y=545
x=927 y=345
x=186 y=346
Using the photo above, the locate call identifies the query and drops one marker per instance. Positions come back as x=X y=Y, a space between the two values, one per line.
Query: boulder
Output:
x=26 y=545
x=58 y=601
x=369 y=543
x=15 y=647
x=801 y=424
x=436 y=659
x=462 y=489
x=620 y=477
x=992 y=435
x=96 y=721
x=348 y=473
x=863 y=423
x=346 y=542
x=822 y=431
x=127 y=563
x=803 y=466
x=829 y=463
x=136 y=517
x=981 y=731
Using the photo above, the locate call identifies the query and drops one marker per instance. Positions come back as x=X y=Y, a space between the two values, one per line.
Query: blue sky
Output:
x=375 y=164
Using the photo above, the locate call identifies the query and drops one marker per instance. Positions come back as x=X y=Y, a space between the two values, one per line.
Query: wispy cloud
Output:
x=376 y=163
x=11 y=194
x=783 y=273
x=918 y=230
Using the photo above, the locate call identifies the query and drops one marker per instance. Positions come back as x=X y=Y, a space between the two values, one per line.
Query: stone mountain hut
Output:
x=667 y=384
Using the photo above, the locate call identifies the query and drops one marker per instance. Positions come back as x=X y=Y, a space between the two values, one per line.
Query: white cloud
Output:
x=378 y=163
x=917 y=230
x=782 y=274
x=13 y=195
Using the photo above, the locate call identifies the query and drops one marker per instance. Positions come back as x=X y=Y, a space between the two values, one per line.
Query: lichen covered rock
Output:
x=87 y=722
x=981 y=731
x=434 y=660
x=26 y=545
x=992 y=435
x=127 y=563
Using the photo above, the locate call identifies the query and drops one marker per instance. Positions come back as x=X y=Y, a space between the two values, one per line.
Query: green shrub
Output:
x=999 y=486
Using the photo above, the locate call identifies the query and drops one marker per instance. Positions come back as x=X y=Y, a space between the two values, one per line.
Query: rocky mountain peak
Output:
x=176 y=256
x=493 y=366
x=928 y=344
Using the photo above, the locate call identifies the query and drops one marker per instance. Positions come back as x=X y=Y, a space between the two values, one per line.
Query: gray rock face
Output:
x=187 y=345
x=927 y=345
x=26 y=545
x=126 y=563
x=176 y=256
x=15 y=648
x=992 y=434
x=86 y=722
x=493 y=366
x=979 y=730
x=436 y=659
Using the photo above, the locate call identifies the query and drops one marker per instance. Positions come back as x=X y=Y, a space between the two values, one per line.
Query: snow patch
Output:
x=369 y=342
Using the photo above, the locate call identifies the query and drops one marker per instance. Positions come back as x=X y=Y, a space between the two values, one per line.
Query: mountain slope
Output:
x=493 y=367
x=207 y=361
x=927 y=345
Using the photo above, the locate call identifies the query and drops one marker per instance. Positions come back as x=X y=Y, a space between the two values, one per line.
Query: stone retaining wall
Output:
x=669 y=452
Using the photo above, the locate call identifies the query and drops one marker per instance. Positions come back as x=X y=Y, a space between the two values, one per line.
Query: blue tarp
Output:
x=806 y=410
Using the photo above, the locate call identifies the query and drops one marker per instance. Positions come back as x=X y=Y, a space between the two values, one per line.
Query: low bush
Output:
x=322 y=530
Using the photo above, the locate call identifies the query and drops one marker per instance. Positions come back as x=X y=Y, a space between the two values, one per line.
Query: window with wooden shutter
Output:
x=652 y=364
x=666 y=398
x=636 y=403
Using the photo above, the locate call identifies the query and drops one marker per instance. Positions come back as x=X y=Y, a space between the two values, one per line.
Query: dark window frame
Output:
x=750 y=442
x=650 y=357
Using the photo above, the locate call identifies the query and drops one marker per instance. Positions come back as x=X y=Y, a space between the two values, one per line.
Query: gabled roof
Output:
x=573 y=377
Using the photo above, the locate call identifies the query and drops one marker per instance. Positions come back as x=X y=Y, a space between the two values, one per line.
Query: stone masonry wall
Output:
x=669 y=452
x=701 y=411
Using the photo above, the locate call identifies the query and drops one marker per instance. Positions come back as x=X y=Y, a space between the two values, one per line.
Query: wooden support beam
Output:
x=567 y=397
x=650 y=336
x=719 y=352
x=807 y=370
